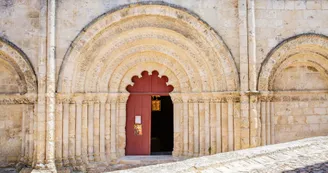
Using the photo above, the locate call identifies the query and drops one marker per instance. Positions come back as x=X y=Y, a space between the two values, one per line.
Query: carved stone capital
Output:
x=123 y=98
x=177 y=100
x=78 y=98
x=113 y=97
x=102 y=98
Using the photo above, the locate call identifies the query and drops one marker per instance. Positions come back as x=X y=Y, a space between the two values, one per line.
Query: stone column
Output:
x=268 y=120
x=113 y=113
x=178 y=117
x=218 y=126
x=34 y=157
x=236 y=125
x=213 y=126
x=65 y=131
x=23 y=127
x=230 y=123
x=71 y=134
x=224 y=126
x=207 y=126
x=185 y=126
x=31 y=132
x=259 y=130
x=244 y=72
x=254 y=121
x=263 y=121
x=102 y=121
x=244 y=122
x=78 y=131
x=107 y=131
x=191 y=126
x=122 y=122
x=201 y=128
x=85 y=132
x=90 y=130
x=96 y=131
x=59 y=134
x=196 y=128
x=251 y=30
x=272 y=121
x=51 y=86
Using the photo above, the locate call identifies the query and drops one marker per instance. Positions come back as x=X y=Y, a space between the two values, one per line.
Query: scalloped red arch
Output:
x=152 y=84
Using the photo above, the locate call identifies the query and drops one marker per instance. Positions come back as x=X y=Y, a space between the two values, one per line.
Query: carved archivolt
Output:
x=19 y=62
x=121 y=44
x=308 y=49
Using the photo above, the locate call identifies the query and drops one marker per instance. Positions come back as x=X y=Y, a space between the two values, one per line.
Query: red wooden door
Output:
x=139 y=104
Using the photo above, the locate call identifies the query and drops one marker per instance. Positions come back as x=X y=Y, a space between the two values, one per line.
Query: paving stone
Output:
x=307 y=155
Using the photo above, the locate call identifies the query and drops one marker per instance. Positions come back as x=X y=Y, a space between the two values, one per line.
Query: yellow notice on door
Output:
x=138 y=129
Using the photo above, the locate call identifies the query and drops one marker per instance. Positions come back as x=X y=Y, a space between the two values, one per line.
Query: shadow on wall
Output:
x=316 y=168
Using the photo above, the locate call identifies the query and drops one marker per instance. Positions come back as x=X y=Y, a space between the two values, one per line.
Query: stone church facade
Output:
x=246 y=73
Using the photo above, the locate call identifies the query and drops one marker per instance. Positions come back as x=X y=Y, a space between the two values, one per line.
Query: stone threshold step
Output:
x=140 y=159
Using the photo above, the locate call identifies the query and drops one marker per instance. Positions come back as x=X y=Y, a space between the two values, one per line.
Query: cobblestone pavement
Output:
x=307 y=155
x=317 y=168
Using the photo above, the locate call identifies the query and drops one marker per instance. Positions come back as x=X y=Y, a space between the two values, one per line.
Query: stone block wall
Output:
x=246 y=73
x=9 y=82
x=277 y=20
x=10 y=134
x=20 y=23
x=300 y=119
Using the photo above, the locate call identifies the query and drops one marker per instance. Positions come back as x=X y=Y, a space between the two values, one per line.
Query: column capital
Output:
x=176 y=97
x=102 y=98
x=123 y=98
x=113 y=97
x=78 y=98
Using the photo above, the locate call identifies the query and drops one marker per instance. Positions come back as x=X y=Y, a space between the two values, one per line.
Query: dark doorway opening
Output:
x=162 y=128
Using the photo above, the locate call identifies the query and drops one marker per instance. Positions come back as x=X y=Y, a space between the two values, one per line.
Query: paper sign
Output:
x=137 y=119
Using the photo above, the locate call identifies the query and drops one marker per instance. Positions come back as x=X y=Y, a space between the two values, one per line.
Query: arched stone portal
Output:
x=18 y=89
x=293 y=82
x=103 y=58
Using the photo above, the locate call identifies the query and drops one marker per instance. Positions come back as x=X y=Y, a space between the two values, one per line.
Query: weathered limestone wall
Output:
x=278 y=20
x=300 y=77
x=72 y=17
x=9 y=79
x=11 y=134
x=300 y=119
x=229 y=91
x=20 y=23
x=17 y=98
